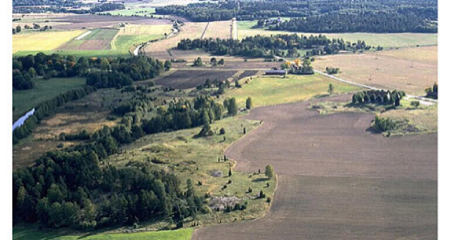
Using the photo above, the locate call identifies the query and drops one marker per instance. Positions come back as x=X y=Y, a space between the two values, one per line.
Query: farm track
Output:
x=204 y=30
x=336 y=179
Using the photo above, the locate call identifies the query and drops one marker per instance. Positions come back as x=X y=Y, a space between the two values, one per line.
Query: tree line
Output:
x=268 y=47
x=378 y=97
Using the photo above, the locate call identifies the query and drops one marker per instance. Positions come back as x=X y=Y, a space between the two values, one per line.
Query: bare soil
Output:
x=185 y=79
x=336 y=179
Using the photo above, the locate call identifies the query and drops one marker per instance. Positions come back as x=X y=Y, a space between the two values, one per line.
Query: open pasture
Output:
x=336 y=180
x=97 y=39
x=218 y=29
x=272 y=90
x=411 y=70
x=160 y=49
x=42 y=41
x=185 y=79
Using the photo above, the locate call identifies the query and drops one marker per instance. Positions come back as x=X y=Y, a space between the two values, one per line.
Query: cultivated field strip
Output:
x=218 y=29
x=159 y=49
x=336 y=180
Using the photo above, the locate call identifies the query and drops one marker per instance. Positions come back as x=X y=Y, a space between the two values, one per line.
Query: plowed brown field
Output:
x=336 y=180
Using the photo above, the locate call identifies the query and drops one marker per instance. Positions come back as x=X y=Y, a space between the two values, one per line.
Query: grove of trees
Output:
x=275 y=45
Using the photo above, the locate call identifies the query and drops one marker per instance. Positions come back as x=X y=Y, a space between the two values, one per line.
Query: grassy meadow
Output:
x=272 y=90
x=196 y=158
x=22 y=233
x=25 y=100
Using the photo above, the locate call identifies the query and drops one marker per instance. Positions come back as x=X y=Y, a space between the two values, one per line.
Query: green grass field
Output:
x=21 y=233
x=25 y=100
x=272 y=90
x=134 y=11
x=386 y=40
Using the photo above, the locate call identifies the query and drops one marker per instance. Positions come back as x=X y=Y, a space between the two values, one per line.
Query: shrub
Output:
x=222 y=131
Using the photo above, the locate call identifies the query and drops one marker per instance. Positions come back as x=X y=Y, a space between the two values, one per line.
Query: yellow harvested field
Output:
x=419 y=54
x=218 y=29
x=190 y=30
x=410 y=69
x=139 y=30
x=43 y=41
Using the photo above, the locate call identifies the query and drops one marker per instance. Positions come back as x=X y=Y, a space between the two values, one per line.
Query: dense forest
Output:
x=392 y=15
x=100 y=72
x=275 y=45
x=69 y=188
x=380 y=22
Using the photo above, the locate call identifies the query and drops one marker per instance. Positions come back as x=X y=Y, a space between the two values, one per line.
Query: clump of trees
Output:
x=378 y=97
x=231 y=106
x=270 y=46
x=432 y=92
x=198 y=62
x=383 y=124
x=331 y=70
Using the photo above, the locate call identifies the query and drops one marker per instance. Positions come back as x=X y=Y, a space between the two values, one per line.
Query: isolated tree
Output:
x=213 y=61
x=18 y=29
x=167 y=65
x=232 y=107
x=330 y=89
x=415 y=104
x=249 y=103
x=269 y=172
x=198 y=62
x=221 y=61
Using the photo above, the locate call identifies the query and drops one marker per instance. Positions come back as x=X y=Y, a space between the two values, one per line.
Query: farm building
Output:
x=275 y=72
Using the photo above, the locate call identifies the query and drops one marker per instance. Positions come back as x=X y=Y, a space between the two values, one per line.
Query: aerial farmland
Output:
x=192 y=119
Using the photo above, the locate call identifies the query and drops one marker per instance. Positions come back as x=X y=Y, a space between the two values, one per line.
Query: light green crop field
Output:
x=21 y=233
x=134 y=11
x=272 y=90
x=24 y=100
x=386 y=40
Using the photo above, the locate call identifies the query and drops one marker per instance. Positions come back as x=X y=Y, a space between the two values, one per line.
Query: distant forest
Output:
x=321 y=15
x=61 y=6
